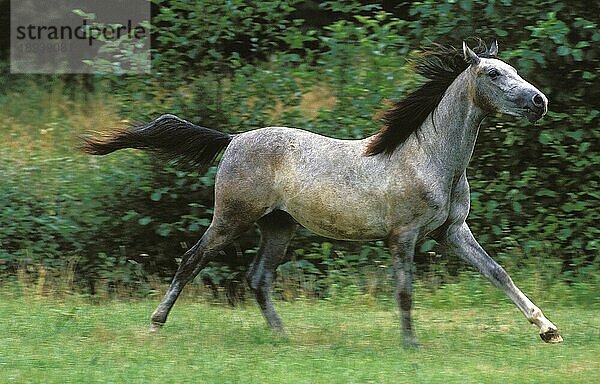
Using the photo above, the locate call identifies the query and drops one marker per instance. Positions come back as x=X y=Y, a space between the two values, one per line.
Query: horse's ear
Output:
x=493 y=52
x=470 y=56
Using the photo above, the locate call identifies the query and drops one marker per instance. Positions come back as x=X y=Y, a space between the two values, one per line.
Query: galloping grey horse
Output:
x=405 y=182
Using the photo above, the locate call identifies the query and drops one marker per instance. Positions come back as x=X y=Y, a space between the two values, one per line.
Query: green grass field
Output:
x=72 y=340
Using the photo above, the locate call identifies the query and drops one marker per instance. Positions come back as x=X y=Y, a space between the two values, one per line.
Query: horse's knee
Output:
x=261 y=278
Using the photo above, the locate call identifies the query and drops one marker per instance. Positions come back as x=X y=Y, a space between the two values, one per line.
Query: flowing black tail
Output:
x=169 y=136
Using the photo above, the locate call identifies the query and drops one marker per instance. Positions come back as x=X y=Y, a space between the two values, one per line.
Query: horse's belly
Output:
x=341 y=222
x=333 y=230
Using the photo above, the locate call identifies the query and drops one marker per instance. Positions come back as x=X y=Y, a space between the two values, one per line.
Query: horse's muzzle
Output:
x=535 y=106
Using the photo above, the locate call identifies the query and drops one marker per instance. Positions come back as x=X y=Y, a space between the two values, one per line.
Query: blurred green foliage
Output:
x=235 y=66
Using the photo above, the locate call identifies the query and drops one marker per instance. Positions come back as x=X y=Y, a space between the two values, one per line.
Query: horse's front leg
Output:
x=402 y=249
x=463 y=244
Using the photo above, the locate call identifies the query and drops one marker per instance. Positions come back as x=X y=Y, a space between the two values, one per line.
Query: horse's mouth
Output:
x=533 y=114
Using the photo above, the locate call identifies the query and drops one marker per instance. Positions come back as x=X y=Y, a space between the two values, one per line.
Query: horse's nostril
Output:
x=538 y=100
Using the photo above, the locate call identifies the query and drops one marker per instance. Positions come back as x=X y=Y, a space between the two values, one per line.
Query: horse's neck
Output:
x=447 y=137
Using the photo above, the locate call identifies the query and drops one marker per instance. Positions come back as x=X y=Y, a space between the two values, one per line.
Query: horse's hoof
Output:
x=551 y=336
x=155 y=326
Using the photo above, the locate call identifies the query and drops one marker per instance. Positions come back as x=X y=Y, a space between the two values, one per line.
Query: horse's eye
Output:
x=494 y=74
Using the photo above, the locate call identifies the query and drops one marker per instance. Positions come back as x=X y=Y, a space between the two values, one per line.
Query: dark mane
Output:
x=440 y=65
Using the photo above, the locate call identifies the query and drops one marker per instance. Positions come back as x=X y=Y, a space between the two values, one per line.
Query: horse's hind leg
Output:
x=194 y=260
x=276 y=231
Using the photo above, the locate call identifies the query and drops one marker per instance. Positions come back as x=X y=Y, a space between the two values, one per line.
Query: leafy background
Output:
x=119 y=223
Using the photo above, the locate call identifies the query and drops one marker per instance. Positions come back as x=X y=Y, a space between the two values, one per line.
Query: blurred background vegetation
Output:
x=119 y=223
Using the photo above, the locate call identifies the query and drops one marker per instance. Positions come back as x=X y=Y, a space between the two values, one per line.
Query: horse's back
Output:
x=282 y=149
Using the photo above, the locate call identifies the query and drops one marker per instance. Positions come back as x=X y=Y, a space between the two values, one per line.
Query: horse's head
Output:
x=496 y=87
